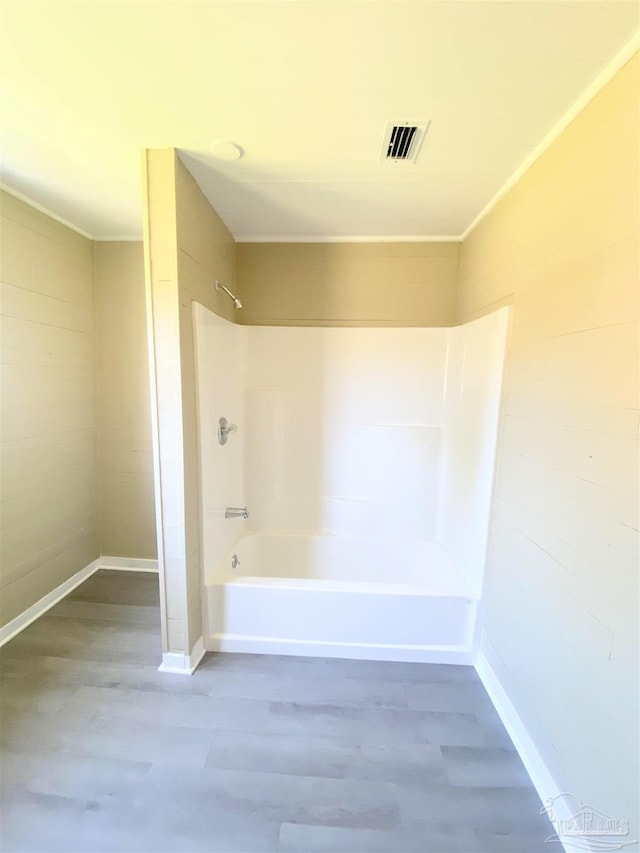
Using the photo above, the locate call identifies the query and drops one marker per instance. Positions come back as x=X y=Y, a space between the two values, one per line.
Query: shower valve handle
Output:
x=225 y=429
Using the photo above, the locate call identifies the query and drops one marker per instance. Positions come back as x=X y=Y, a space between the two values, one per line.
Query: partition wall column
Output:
x=187 y=247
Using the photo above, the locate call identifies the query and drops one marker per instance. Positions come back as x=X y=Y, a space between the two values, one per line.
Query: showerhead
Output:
x=236 y=302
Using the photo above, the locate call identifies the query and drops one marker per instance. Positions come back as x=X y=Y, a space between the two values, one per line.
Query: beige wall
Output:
x=561 y=609
x=348 y=284
x=125 y=461
x=206 y=252
x=77 y=459
x=48 y=472
x=188 y=248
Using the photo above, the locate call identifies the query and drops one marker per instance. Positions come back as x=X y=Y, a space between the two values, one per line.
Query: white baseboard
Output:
x=180 y=664
x=8 y=631
x=122 y=564
x=354 y=651
x=527 y=750
x=171 y=662
x=128 y=564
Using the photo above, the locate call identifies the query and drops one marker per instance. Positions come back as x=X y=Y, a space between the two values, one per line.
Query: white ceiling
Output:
x=306 y=88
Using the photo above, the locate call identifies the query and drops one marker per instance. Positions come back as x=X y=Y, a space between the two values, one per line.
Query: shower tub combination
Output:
x=366 y=460
x=342 y=597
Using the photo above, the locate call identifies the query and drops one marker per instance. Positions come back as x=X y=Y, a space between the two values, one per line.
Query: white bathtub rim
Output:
x=250 y=644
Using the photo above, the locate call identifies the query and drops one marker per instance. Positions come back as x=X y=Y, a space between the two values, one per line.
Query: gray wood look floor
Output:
x=101 y=752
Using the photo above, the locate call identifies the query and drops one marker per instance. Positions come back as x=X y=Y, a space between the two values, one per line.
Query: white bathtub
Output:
x=341 y=596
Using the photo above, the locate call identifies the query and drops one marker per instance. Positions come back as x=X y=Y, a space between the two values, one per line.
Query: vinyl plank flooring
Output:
x=481 y=767
x=86 y=639
x=445 y=696
x=304 y=689
x=435 y=838
x=493 y=809
x=113 y=613
x=177 y=710
x=75 y=776
x=102 y=736
x=36 y=822
x=137 y=589
x=286 y=665
x=523 y=838
x=48 y=669
x=321 y=757
x=27 y=695
x=418 y=837
x=420 y=673
x=377 y=725
x=274 y=797
x=252 y=754
x=348 y=724
x=171 y=823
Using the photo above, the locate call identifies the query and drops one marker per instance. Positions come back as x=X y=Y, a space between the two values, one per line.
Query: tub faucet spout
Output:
x=236 y=512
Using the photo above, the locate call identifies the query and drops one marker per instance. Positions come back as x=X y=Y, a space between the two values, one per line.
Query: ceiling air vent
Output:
x=403 y=140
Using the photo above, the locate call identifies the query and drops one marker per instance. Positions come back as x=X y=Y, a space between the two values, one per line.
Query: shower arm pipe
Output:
x=236 y=302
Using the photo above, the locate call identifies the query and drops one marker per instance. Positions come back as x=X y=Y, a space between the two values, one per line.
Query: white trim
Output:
x=128 y=564
x=309 y=238
x=534 y=764
x=9 y=631
x=605 y=76
x=180 y=664
x=118 y=564
x=153 y=396
x=45 y=210
x=596 y=85
x=356 y=651
x=128 y=239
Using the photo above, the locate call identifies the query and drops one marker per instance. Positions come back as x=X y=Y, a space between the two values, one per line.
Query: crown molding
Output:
x=118 y=239
x=308 y=238
x=42 y=209
x=604 y=77
x=47 y=212
x=596 y=86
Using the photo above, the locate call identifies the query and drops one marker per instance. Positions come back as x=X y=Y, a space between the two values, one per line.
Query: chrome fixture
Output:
x=236 y=302
x=236 y=512
x=225 y=429
x=235 y=562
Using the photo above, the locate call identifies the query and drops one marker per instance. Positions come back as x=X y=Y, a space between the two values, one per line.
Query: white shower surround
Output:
x=366 y=459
